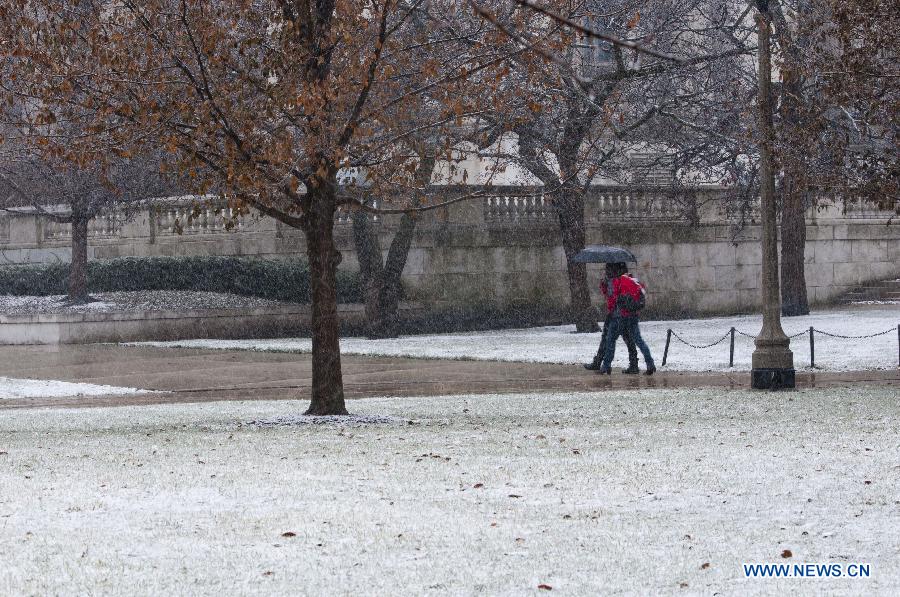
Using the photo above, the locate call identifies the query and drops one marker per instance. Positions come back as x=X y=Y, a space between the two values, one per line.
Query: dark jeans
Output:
x=621 y=326
x=626 y=335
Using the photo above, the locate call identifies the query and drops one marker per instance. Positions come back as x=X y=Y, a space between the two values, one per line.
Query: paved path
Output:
x=194 y=375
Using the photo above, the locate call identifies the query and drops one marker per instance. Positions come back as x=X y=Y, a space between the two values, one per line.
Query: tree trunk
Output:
x=793 y=211
x=382 y=282
x=391 y=286
x=368 y=253
x=78 y=291
x=570 y=211
x=327 y=383
x=793 y=247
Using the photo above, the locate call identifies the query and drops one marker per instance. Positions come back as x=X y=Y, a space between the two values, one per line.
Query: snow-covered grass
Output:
x=131 y=301
x=560 y=345
x=40 y=388
x=638 y=492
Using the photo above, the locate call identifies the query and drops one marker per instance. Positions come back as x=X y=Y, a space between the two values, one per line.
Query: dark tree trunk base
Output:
x=78 y=290
x=324 y=410
x=81 y=300
x=794 y=310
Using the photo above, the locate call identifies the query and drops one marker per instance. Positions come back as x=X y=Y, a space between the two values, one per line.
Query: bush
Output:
x=274 y=280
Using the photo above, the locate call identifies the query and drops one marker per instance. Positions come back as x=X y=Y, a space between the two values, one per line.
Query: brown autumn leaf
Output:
x=289 y=534
x=704 y=565
x=545 y=587
x=633 y=21
x=478 y=485
x=787 y=553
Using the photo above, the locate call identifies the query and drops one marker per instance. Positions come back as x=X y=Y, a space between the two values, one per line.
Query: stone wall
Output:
x=502 y=252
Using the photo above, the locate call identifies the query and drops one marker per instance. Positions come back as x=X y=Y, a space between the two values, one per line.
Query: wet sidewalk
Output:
x=196 y=375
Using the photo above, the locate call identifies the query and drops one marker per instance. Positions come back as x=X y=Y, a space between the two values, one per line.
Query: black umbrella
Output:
x=603 y=254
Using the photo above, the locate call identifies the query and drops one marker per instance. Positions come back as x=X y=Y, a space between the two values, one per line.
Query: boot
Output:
x=651 y=369
x=594 y=365
x=632 y=369
x=597 y=363
x=604 y=370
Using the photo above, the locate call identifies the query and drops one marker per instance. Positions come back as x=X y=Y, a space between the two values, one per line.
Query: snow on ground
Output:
x=144 y=300
x=42 y=388
x=662 y=492
x=560 y=345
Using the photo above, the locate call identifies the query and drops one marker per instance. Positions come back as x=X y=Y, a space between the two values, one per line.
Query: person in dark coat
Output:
x=628 y=298
x=613 y=270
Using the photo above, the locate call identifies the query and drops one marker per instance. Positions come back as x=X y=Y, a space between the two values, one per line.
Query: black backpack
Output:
x=630 y=304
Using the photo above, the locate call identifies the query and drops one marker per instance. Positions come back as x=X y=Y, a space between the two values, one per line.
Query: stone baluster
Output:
x=528 y=212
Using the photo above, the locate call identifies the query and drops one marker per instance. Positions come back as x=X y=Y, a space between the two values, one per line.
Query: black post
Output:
x=812 y=348
x=669 y=339
x=731 y=350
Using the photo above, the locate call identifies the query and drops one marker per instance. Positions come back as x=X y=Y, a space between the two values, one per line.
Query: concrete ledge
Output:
x=86 y=328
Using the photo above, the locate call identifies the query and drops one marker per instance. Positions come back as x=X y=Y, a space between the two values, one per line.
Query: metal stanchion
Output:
x=669 y=339
x=812 y=347
x=731 y=350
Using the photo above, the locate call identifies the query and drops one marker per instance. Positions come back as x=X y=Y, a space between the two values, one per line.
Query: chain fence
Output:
x=812 y=331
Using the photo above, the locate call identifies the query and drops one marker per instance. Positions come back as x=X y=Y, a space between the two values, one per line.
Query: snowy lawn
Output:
x=39 y=388
x=131 y=301
x=560 y=345
x=640 y=492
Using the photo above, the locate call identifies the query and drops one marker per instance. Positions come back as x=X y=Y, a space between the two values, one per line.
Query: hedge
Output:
x=275 y=280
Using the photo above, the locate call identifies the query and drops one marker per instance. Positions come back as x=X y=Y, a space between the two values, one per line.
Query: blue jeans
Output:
x=625 y=325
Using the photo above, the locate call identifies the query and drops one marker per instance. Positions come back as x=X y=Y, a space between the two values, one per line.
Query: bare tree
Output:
x=268 y=101
x=65 y=193
x=616 y=71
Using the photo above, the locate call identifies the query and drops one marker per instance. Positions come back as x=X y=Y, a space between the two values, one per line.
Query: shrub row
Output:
x=275 y=280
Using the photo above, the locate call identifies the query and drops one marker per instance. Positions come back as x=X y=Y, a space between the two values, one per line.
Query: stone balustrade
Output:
x=189 y=219
x=106 y=225
x=503 y=207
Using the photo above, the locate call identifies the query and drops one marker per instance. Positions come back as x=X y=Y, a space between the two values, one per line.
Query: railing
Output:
x=185 y=219
x=108 y=225
x=522 y=205
x=616 y=204
x=861 y=209
x=344 y=215
x=505 y=207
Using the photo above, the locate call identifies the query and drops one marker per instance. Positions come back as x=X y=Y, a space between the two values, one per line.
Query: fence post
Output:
x=669 y=339
x=812 y=348
x=898 y=344
x=731 y=350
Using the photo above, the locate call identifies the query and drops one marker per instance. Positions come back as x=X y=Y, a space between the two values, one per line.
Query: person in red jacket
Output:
x=613 y=270
x=628 y=297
